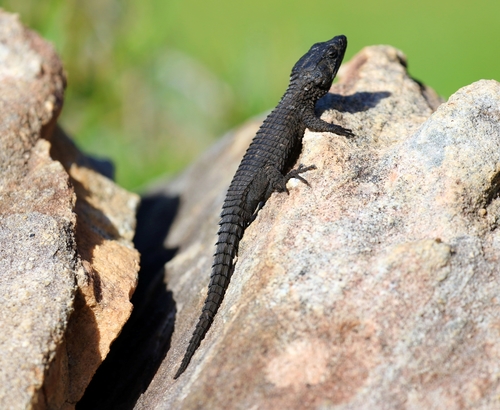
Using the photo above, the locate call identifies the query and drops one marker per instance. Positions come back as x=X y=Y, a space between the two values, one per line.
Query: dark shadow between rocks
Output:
x=144 y=341
x=357 y=102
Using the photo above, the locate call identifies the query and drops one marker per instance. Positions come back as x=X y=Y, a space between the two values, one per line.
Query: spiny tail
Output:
x=230 y=234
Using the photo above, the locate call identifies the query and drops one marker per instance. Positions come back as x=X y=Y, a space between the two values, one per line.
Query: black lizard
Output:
x=261 y=170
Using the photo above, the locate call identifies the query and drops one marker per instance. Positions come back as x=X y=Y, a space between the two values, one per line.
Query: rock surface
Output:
x=377 y=287
x=67 y=265
x=109 y=264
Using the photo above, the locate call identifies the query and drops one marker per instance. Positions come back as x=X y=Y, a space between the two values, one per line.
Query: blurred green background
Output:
x=152 y=83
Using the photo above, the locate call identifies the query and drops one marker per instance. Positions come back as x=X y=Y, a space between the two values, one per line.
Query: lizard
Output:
x=262 y=169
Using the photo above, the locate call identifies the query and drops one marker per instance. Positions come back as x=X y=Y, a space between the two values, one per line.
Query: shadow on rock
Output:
x=357 y=102
x=145 y=339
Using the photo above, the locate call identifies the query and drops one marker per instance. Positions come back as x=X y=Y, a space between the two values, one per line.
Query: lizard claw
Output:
x=295 y=173
x=346 y=132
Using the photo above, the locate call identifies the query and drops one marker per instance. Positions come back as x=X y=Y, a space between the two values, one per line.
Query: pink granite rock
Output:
x=67 y=264
x=376 y=287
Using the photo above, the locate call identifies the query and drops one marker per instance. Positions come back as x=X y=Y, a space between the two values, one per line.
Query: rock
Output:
x=377 y=287
x=67 y=264
x=139 y=350
x=104 y=233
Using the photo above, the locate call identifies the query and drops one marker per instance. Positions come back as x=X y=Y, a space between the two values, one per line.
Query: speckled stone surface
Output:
x=376 y=287
x=67 y=264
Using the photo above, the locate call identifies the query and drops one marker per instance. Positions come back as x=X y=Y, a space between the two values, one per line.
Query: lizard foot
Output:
x=295 y=173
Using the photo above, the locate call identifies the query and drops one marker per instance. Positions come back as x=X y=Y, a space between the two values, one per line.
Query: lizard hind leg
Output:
x=295 y=173
x=277 y=181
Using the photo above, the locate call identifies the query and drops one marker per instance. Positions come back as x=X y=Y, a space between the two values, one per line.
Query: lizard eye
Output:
x=333 y=54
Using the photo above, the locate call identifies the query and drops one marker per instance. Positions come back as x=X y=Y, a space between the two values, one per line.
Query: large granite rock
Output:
x=67 y=264
x=376 y=287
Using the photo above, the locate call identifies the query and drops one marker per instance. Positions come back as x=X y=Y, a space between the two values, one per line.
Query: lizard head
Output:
x=319 y=66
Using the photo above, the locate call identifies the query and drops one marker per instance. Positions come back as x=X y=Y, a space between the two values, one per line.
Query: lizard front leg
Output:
x=316 y=124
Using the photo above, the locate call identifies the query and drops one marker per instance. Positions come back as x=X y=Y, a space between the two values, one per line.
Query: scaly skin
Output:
x=261 y=170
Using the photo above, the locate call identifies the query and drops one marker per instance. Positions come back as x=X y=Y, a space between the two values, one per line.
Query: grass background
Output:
x=152 y=83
